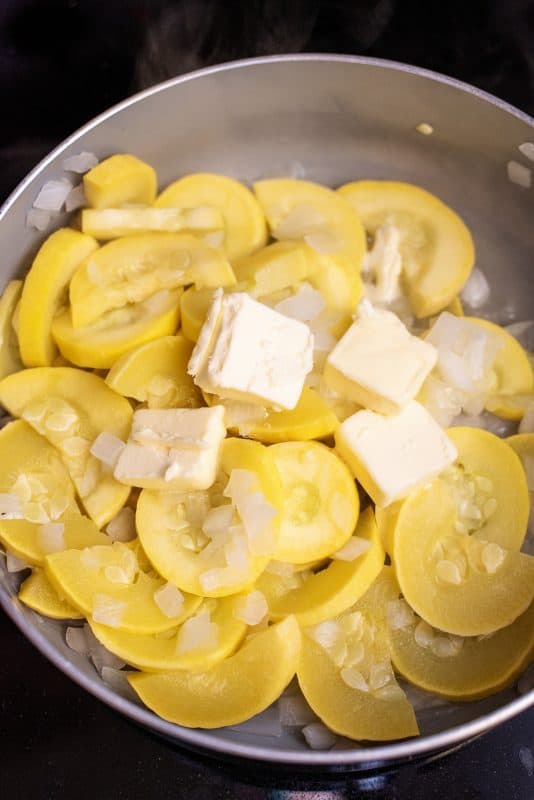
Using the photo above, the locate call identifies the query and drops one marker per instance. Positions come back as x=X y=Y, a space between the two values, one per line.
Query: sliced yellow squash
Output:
x=297 y=209
x=70 y=408
x=107 y=583
x=461 y=668
x=230 y=692
x=156 y=373
x=320 y=502
x=101 y=344
x=38 y=593
x=118 y=180
x=436 y=246
x=45 y=292
x=513 y=372
x=244 y=224
x=157 y=653
x=112 y=223
x=9 y=344
x=456 y=582
x=183 y=553
x=339 y=585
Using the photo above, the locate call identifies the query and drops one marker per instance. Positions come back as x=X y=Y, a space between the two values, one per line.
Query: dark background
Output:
x=62 y=62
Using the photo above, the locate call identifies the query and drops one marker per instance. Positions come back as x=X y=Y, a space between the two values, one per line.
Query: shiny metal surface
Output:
x=331 y=119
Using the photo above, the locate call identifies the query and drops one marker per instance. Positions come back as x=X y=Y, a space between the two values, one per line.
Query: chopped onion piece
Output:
x=53 y=195
x=236 y=549
x=306 y=304
x=257 y=515
x=252 y=608
x=519 y=174
x=240 y=483
x=80 y=163
x=107 y=448
x=108 y=610
x=294 y=710
x=218 y=520
x=353 y=549
x=100 y=655
x=265 y=724
x=170 y=600
x=75 y=199
x=216 y=578
x=198 y=632
x=354 y=678
x=214 y=238
x=10 y=507
x=38 y=218
x=122 y=527
x=15 y=564
x=77 y=640
x=197 y=507
x=318 y=736
x=117 y=679
x=476 y=291
x=51 y=537
x=399 y=614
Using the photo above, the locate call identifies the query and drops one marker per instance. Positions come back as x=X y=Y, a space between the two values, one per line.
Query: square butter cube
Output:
x=175 y=449
x=378 y=363
x=249 y=352
x=392 y=455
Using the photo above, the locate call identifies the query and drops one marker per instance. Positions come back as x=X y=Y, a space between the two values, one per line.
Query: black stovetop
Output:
x=62 y=62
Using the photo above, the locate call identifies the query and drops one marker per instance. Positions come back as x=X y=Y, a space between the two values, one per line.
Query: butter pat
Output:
x=378 y=363
x=251 y=353
x=175 y=449
x=392 y=455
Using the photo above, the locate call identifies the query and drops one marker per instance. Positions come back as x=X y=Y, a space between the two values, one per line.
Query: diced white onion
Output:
x=197 y=632
x=257 y=515
x=519 y=174
x=117 y=679
x=306 y=304
x=294 y=710
x=14 y=563
x=354 y=678
x=170 y=600
x=318 y=736
x=399 y=614
x=252 y=608
x=80 y=162
x=353 y=549
x=10 y=507
x=51 y=537
x=53 y=195
x=236 y=550
x=122 y=527
x=197 y=507
x=265 y=724
x=218 y=520
x=38 y=218
x=476 y=291
x=107 y=448
x=100 y=655
x=76 y=640
x=75 y=199
x=240 y=483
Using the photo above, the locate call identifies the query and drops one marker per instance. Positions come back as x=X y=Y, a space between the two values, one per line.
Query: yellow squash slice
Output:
x=101 y=344
x=38 y=593
x=45 y=292
x=28 y=541
x=177 y=544
x=457 y=583
x=244 y=224
x=112 y=223
x=131 y=269
x=436 y=247
x=346 y=675
x=70 y=408
x=513 y=372
x=118 y=180
x=338 y=586
x=157 y=653
x=156 y=373
x=230 y=692
x=194 y=305
x=490 y=488
x=9 y=344
x=297 y=209
x=461 y=668
x=108 y=584
x=320 y=502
